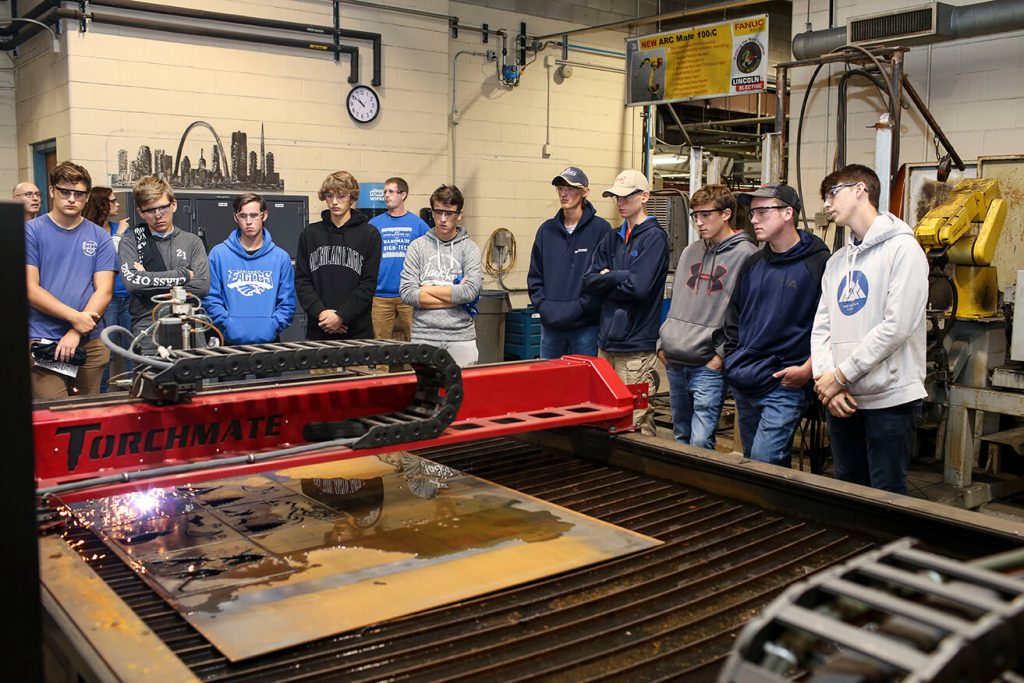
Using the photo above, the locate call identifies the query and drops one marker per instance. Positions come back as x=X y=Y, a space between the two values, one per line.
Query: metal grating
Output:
x=893 y=26
x=671 y=612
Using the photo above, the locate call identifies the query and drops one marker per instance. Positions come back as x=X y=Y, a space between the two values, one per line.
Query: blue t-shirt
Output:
x=67 y=260
x=396 y=234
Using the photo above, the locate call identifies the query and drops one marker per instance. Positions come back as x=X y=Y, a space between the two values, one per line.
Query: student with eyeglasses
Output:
x=562 y=251
x=30 y=197
x=156 y=256
x=336 y=265
x=252 y=284
x=398 y=227
x=868 y=343
x=441 y=280
x=768 y=325
x=691 y=342
x=69 y=264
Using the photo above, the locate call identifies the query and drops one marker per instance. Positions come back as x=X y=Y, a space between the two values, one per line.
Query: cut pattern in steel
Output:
x=671 y=612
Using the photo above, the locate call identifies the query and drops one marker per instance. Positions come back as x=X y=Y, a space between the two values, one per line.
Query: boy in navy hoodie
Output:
x=562 y=252
x=628 y=273
x=768 y=325
x=252 y=286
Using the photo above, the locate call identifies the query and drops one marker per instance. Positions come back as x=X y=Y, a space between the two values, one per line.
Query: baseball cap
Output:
x=572 y=176
x=780 y=191
x=626 y=183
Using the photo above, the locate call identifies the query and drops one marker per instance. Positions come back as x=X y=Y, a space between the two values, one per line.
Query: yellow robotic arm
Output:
x=968 y=226
x=950 y=224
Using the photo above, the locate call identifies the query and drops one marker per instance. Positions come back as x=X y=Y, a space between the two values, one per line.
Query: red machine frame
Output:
x=80 y=442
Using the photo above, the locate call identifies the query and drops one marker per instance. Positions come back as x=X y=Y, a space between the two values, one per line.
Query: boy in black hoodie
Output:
x=768 y=325
x=336 y=265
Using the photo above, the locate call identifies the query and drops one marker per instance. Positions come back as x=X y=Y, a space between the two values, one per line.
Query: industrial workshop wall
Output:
x=973 y=87
x=117 y=88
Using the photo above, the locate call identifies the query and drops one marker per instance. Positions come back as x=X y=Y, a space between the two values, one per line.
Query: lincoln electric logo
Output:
x=250 y=282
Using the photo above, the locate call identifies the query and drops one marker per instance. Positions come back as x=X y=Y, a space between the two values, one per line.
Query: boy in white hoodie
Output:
x=868 y=340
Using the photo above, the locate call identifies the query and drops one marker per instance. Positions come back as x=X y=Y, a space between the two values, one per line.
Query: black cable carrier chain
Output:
x=435 y=403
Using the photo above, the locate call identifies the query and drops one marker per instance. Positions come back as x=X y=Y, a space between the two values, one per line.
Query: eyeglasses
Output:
x=113 y=200
x=393 y=191
x=250 y=216
x=330 y=197
x=68 y=193
x=441 y=213
x=704 y=215
x=31 y=195
x=156 y=210
x=760 y=211
x=834 y=190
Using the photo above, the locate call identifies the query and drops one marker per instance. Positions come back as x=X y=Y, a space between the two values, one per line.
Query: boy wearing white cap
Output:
x=628 y=273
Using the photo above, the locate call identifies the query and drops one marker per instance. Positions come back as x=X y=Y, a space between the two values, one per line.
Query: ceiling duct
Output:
x=921 y=24
x=932 y=23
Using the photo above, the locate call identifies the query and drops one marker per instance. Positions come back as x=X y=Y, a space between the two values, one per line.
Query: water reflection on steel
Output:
x=263 y=562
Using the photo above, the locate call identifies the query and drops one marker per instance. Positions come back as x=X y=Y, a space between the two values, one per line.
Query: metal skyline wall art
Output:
x=241 y=169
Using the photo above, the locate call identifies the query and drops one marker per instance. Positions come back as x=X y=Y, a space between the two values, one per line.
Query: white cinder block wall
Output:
x=973 y=87
x=114 y=88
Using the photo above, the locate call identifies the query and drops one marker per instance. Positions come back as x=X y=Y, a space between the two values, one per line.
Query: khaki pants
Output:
x=49 y=386
x=391 y=319
x=634 y=368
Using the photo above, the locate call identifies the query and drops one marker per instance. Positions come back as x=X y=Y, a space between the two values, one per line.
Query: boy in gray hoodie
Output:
x=441 y=280
x=868 y=341
x=690 y=342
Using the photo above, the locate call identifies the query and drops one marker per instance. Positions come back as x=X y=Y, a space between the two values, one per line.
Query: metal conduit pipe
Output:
x=32 y=13
x=188 y=13
x=24 y=33
x=968 y=21
x=208 y=32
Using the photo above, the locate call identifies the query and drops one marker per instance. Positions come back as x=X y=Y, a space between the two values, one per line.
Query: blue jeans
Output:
x=696 y=394
x=768 y=423
x=872 y=447
x=117 y=313
x=556 y=343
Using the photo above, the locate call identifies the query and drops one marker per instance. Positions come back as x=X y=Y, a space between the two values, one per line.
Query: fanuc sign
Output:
x=715 y=60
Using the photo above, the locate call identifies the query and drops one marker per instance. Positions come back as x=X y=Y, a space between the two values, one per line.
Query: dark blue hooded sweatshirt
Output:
x=633 y=288
x=558 y=262
x=252 y=296
x=771 y=313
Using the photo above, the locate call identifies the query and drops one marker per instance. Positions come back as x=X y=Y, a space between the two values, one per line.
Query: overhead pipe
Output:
x=23 y=34
x=967 y=21
x=205 y=15
x=209 y=32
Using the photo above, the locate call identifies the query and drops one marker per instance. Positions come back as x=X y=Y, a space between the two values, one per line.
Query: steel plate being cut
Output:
x=265 y=562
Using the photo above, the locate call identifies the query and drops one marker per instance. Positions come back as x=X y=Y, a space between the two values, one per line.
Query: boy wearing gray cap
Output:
x=768 y=325
x=628 y=273
x=562 y=251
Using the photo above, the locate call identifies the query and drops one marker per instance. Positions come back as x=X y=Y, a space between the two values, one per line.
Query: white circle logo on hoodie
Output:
x=853 y=292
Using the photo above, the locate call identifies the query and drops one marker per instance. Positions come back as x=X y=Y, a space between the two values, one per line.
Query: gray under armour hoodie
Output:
x=431 y=261
x=705 y=277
